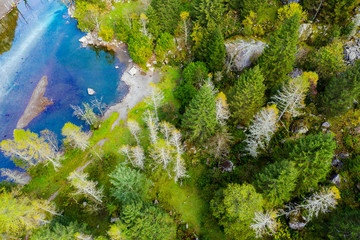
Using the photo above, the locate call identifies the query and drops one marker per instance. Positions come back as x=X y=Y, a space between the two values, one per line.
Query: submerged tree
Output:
x=86 y=114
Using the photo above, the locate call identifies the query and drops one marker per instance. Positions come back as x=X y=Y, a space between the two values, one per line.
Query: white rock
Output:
x=116 y=67
x=91 y=91
x=246 y=52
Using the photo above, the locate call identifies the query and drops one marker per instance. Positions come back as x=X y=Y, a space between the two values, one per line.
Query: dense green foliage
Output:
x=247 y=95
x=279 y=57
x=277 y=181
x=200 y=116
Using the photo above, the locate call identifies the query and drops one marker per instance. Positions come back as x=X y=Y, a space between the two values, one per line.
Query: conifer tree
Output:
x=312 y=156
x=247 y=96
x=212 y=50
x=200 y=117
x=279 y=56
x=277 y=181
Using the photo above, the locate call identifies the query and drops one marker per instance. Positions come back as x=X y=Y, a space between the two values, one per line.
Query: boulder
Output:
x=326 y=125
x=305 y=31
x=297 y=221
x=90 y=91
x=243 y=52
x=71 y=11
x=335 y=179
x=352 y=51
x=337 y=163
x=285 y=2
x=344 y=155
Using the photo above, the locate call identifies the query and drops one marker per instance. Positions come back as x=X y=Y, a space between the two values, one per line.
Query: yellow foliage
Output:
x=197 y=34
x=222 y=97
x=143 y=17
x=273 y=108
x=184 y=15
x=252 y=25
x=312 y=77
x=335 y=191
x=290 y=10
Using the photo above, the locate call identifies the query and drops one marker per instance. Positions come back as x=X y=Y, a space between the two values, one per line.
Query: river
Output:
x=45 y=41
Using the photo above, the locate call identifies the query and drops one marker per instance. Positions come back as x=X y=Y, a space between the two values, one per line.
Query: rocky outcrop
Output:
x=71 y=11
x=93 y=39
x=305 y=31
x=37 y=104
x=242 y=53
x=352 y=51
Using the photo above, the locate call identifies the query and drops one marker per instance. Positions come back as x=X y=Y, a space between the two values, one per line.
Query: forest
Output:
x=253 y=131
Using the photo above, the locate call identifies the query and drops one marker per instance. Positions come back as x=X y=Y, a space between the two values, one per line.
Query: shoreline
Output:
x=137 y=81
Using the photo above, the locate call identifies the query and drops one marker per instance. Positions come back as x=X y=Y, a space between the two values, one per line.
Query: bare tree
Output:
x=321 y=202
x=86 y=114
x=84 y=186
x=155 y=99
x=75 y=136
x=144 y=20
x=222 y=109
x=291 y=97
x=179 y=169
x=99 y=105
x=152 y=123
x=161 y=154
x=16 y=176
x=262 y=129
x=264 y=223
x=138 y=157
x=50 y=138
x=134 y=128
x=184 y=16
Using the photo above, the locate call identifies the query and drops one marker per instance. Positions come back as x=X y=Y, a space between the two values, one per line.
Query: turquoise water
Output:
x=47 y=43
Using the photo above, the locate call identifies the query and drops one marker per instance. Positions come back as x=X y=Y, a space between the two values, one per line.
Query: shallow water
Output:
x=47 y=43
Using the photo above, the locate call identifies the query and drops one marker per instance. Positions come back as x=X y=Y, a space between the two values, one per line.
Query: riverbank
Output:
x=36 y=105
x=138 y=83
x=6 y=6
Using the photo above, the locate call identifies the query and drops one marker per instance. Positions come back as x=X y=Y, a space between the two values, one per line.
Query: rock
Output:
x=337 y=163
x=297 y=72
x=297 y=221
x=90 y=91
x=156 y=201
x=112 y=220
x=305 y=31
x=285 y=2
x=352 y=51
x=117 y=67
x=84 y=204
x=326 y=125
x=227 y=166
x=71 y=11
x=243 y=52
x=335 y=179
x=344 y=155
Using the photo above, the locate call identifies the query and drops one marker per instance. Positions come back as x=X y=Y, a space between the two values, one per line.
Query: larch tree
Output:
x=262 y=129
x=21 y=178
x=290 y=99
x=247 y=96
x=200 y=116
x=84 y=186
x=75 y=137
x=237 y=210
x=279 y=56
x=31 y=148
x=20 y=214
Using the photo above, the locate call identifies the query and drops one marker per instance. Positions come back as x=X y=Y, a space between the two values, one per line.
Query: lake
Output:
x=41 y=39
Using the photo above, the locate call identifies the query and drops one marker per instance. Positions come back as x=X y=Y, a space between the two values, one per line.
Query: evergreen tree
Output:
x=164 y=16
x=279 y=56
x=312 y=156
x=59 y=231
x=277 y=181
x=140 y=48
x=200 y=117
x=143 y=221
x=341 y=91
x=212 y=50
x=247 y=96
x=237 y=210
x=245 y=6
x=209 y=13
x=128 y=184
x=194 y=75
